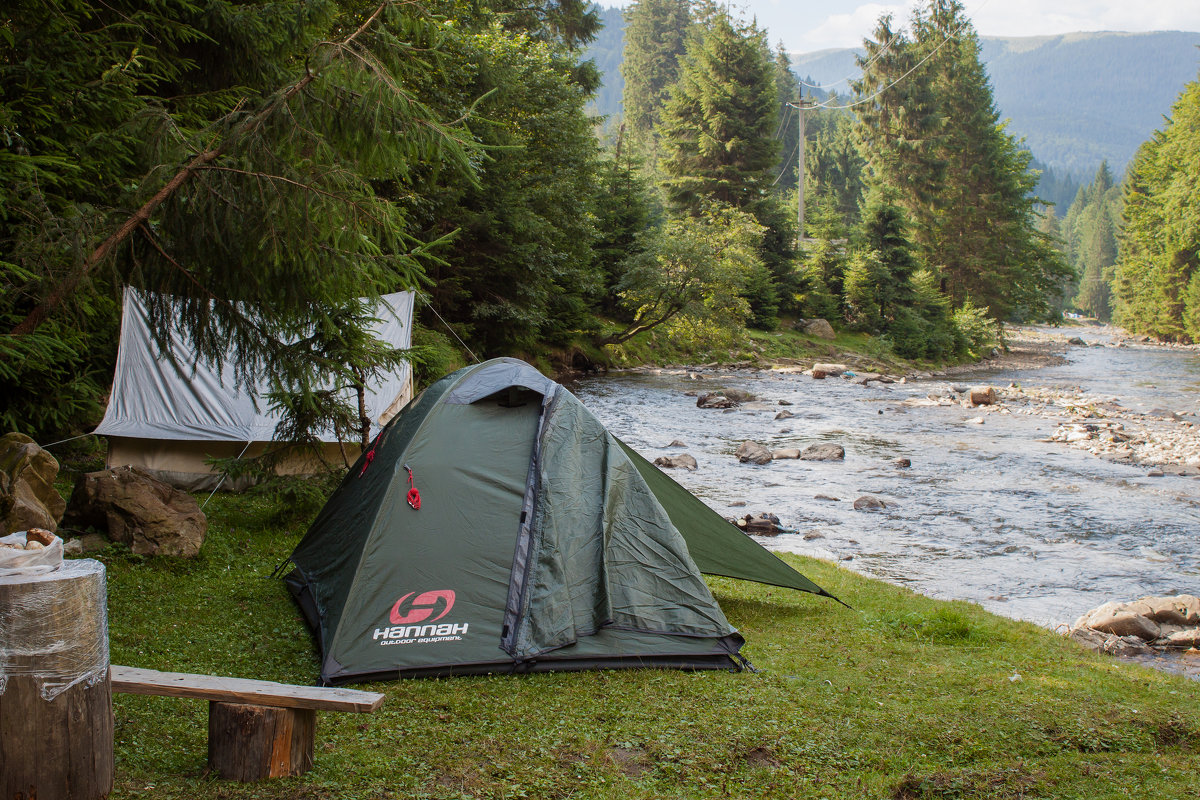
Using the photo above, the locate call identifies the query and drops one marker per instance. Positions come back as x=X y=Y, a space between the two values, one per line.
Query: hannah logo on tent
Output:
x=421 y=607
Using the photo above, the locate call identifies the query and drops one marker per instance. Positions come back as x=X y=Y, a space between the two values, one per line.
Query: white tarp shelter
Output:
x=168 y=417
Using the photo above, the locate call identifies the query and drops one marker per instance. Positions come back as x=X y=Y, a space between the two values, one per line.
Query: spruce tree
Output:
x=718 y=126
x=655 y=35
x=229 y=155
x=1159 y=246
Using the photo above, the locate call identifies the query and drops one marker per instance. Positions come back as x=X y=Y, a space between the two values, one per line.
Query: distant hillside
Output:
x=608 y=51
x=1077 y=99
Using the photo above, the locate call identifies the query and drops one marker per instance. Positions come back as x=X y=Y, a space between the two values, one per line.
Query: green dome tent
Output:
x=534 y=540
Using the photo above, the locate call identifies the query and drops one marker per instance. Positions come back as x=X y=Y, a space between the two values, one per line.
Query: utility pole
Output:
x=800 y=106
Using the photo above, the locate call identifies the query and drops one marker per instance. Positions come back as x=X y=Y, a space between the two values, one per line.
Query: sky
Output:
x=807 y=25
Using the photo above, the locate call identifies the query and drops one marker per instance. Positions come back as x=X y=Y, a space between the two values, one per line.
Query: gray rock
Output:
x=671 y=462
x=1075 y=340
x=1108 y=643
x=28 y=498
x=811 y=535
x=823 y=452
x=869 y=503
x=828 y=497
x=714 y=401
x=135 y=509
x=819 y=328
x=759 y=524
x=785 y=402
x=903 y=463
x=784 y=415
x=1181 y=640
x=677 y=443
x=753 y=453
x=739 y=396
x=1127 y=623
x=828 y=370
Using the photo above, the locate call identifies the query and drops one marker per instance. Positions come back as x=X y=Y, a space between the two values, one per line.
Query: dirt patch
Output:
x=632 y=762
x=762 y=757
x=1013 y=782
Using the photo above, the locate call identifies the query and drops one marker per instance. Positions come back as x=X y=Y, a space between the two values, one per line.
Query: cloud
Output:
x=848 y=30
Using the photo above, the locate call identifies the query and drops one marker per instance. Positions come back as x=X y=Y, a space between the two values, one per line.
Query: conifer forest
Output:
x=273 y=166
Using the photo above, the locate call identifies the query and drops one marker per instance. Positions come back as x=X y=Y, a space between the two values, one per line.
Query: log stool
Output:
x=256 y=729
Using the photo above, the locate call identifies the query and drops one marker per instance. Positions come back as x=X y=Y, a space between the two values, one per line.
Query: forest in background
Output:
x=273 y=164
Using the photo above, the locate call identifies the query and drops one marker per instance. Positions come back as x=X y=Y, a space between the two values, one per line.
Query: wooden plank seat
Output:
x=256 y=729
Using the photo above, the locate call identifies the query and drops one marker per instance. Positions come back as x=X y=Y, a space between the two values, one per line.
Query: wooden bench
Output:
x=256 y=729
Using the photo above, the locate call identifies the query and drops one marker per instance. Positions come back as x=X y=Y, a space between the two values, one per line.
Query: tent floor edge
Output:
x=690 y=663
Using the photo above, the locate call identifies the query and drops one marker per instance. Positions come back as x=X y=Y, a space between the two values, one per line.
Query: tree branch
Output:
x=140 y=217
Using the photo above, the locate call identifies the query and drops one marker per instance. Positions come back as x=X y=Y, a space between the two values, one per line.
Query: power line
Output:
x=846 y=80
x=915 y=67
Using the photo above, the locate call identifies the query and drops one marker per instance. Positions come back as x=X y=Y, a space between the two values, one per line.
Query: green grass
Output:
x=863 y=351
x=904 y=697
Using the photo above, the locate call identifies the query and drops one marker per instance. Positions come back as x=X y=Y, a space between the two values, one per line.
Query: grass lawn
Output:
x=903 y=697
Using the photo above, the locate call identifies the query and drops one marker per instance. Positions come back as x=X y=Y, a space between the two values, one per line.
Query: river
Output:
x=989 y=513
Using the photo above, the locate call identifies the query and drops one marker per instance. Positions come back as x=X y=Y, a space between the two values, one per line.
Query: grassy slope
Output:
x=904 y=697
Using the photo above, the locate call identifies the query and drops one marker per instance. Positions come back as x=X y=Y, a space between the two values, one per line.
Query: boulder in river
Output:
x=823 y=452
x=739 y=395
x=784 y=415
x=754 y=453
x=981 y=396
x=869 y=503
x=714 y=401
x=682 y=460
x=827 y=370
x=677 y=443
x=1162 y=622
x=759 y=524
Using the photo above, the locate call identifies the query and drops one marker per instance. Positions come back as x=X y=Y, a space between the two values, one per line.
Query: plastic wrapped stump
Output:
x=56 y=719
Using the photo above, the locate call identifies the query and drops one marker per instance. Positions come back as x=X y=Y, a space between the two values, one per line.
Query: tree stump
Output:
x=56 y=720
x=250 y=743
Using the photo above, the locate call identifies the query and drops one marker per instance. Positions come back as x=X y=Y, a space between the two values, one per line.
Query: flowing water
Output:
x=987 y=513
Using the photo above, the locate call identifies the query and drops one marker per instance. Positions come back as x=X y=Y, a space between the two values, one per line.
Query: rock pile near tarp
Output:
x=138 y=510
x=1150 y=622
x=28 y=498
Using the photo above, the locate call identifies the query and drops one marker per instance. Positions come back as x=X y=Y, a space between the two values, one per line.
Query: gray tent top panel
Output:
x=187 y=399
x=496 y=375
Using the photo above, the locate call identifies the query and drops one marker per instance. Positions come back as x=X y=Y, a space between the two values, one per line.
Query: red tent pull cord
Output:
x=370 y=456
x=414 y=497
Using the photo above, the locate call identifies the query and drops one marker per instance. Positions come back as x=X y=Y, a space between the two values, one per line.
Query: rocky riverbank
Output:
x=1166 y=440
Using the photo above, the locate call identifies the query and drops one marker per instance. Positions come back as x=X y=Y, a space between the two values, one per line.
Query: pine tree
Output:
x=228 y=154
x=718 y=126
x=655 y=36
x=1159 y=246
x=933 y=134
